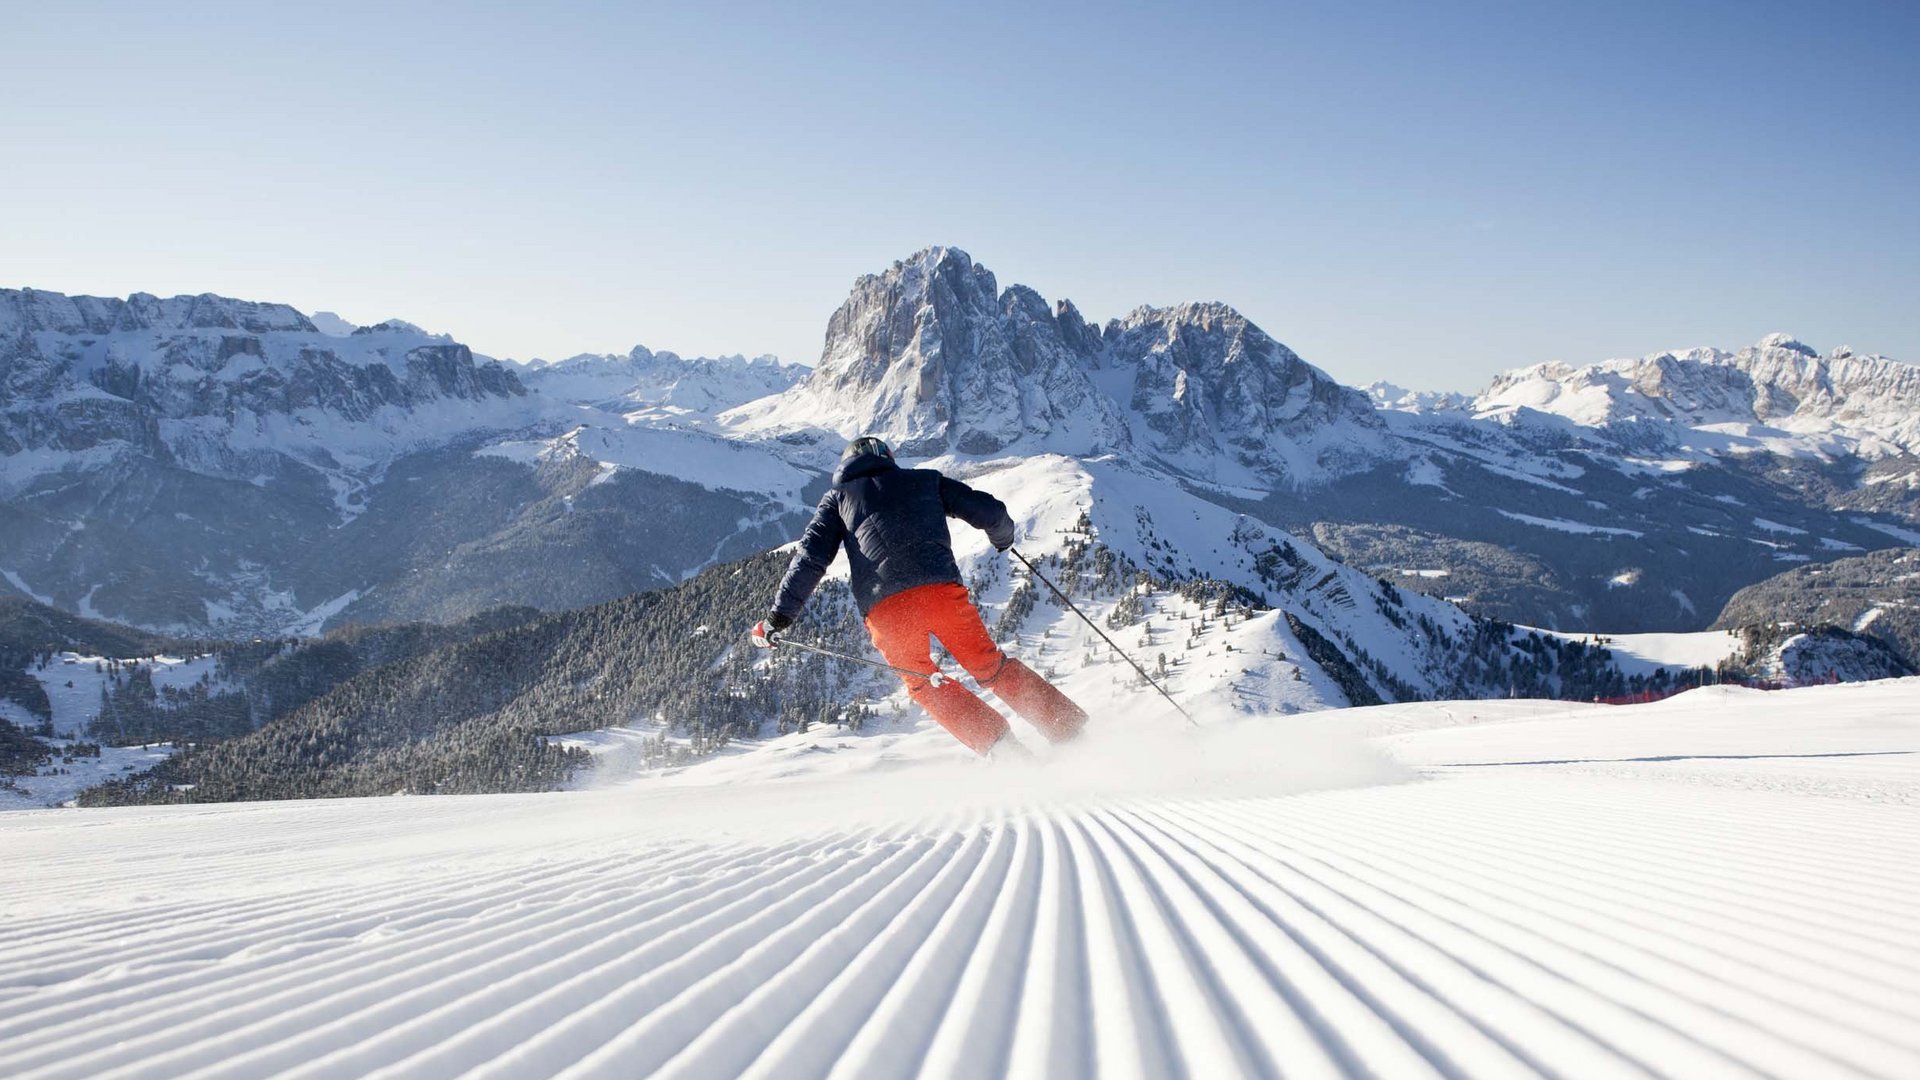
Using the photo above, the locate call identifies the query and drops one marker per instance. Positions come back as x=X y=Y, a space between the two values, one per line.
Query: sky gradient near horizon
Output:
x=1423 y=193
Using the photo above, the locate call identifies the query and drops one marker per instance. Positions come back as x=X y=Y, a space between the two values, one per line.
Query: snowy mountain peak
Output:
x=397 y=326
x=933 y=356
x=332 y=325
x=1207 y=379
x=1778 y=340
x=912 y=276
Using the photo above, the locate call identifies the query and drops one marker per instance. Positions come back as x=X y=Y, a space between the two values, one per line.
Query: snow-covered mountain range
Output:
x=1630 y=495
x=227 y=388
x=207 y=464
x=1778 y=395
x=1668 y=479
x=1386 y=395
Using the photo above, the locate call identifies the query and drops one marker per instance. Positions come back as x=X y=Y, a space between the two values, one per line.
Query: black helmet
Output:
x=866 y=444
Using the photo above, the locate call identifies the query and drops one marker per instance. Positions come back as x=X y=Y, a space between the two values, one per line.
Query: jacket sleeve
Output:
x=818 y=545
x=978 y=509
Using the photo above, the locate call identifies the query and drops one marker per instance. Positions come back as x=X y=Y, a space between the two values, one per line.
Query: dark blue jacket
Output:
x=894 y=523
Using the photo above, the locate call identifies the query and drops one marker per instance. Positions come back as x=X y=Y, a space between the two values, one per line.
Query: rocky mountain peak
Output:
x=1786 y=341
x=933 y=356
x=1207 y=381
x=949 y=267
x=332 y=325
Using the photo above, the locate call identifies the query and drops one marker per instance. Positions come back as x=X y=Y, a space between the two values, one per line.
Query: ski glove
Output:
x=764 y=630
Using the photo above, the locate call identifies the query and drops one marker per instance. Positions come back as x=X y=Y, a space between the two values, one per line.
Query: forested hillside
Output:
x=477 y=715
x=1876 y=595
x=253 y=683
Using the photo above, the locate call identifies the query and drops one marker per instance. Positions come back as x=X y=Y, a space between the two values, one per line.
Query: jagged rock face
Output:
x=934 y=357
x=44 y=408
x=230 y=374
x=1855 y=392
x=1206 y=380
x=1869 y=404
x=181 y=378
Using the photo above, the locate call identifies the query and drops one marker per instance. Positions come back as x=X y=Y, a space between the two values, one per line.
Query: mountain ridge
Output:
x=643 y=378
x=241 y=433
x=1799 y=400
x=205 y=465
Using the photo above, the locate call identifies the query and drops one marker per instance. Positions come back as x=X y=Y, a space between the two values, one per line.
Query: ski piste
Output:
x=1720 y=884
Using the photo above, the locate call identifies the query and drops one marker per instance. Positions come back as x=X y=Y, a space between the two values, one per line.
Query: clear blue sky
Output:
x=1422 y=192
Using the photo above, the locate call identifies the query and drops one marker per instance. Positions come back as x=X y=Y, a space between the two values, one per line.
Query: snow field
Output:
x=881 y=911
x=1643 y=654
x=51 y=787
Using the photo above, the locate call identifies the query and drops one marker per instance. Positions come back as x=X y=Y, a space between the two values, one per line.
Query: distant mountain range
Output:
x=1778 y=396
x=211 y=466
x=644 y=380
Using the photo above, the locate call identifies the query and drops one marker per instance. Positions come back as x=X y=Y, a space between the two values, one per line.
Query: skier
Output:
x=907 y=585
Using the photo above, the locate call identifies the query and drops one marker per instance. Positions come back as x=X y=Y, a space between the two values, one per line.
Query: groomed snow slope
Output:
x=1719 y=885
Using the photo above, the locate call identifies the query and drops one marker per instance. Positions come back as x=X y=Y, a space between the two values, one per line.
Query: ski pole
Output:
x=935 y=679
x=1042 y=579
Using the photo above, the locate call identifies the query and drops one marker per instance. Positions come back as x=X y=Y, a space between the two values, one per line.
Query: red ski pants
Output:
x=901 y=625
